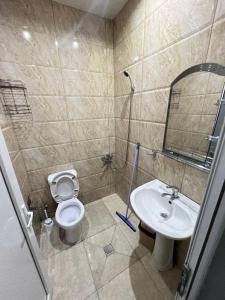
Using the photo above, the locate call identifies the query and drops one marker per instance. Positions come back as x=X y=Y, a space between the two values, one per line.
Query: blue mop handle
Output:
x=134 y=163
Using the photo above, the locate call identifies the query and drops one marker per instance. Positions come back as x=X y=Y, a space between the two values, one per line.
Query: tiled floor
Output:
x=85 y=272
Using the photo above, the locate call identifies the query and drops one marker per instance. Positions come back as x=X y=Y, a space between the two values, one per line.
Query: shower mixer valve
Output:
x=107 y=159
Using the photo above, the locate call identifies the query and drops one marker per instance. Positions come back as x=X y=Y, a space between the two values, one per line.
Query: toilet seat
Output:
x=69 y=213
x=64 y=186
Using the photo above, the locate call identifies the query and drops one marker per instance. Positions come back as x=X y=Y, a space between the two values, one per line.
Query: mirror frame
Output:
x=204 y=67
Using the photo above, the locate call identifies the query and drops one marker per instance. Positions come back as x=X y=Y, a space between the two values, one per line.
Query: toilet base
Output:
x=73 y=235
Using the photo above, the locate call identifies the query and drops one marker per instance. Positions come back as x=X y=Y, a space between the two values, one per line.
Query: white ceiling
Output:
x=103 y=8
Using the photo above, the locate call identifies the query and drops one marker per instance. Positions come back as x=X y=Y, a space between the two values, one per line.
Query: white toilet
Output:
x=64 y=188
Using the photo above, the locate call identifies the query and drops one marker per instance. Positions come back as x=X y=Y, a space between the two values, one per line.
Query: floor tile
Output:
x=105 y=268
x=133 y=283
x=53 y=242
x=70 y=274
x=134 y=238
x=115 y=203
x=166 y=281
x=97 y=218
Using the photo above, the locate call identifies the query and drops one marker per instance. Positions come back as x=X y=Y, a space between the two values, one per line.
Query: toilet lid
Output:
x=64 y=187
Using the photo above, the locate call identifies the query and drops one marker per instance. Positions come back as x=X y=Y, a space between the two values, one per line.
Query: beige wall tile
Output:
x=194 y=184
x=26 y=189
x=48 y=108
x=84 y=83
x=38 y=80
x=34 y=15
x=154 y=106
x=151 y=135
x=10 y=139
x=217 y=49
x=90 y=149
x=122 y=83
x=151 y=6
x=129 y=18
x=79 y=24
x=39 y=49
x=48 y=156
x=174 y=20
x=81 y=108
x=39 y=178
x=169 y=171
x=161 y=69
x=44 y=134
x=89 y=167
x=89 y=129
x=82 y=55
x=20 y=170
x=94 y=182
x=130 y=49
x=220 y=10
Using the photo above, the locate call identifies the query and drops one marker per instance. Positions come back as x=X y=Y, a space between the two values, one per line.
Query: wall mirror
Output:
x=196 y=114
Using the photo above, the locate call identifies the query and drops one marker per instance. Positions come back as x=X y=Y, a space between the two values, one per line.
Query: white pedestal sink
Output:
x=170 y=219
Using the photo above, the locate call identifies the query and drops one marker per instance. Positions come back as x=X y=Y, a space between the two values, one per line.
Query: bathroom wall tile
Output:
x=122 y=107
x=28 y=14
x=48 y=156
x=90 y=196
x=38 y=80
x=81 y=108
x=210 y=104
x=44 y=134
x=48 y=108
x=130 y=49
x=194 y=184
x=10 y=139
x=90 y=149
x=220 y=10
x=38 y=48
x=88 y=129
x=145 y=160
x=121 y=128
x=151 y=135
x=110 y=85
x=217 y=50
x=168 y=170
x=143 y=177
x=26 y=189
x=109 y=33
x=135 y=135
x=154 y=106
x=94 y=182
x=84 y=83
x=89 y=167
x=79 y=24
x=161 y=69
x=129 y=18
x=175 y=20
x=110 y=60
x=82 y=55
x=122 y=83
x=39 y=178
x=20 y=170
x=151 y=6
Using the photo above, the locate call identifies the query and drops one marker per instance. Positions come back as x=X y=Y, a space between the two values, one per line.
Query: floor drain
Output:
x=108 y=249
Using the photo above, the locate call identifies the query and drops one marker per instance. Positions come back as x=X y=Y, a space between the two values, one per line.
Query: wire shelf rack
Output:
x=14 y=99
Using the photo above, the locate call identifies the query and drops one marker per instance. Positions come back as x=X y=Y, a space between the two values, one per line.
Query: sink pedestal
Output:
x=163 y=252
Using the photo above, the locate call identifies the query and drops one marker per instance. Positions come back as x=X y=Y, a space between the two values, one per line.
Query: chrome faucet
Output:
x=174 y=195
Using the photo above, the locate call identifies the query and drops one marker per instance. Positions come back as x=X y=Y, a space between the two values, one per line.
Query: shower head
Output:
x=131 y=82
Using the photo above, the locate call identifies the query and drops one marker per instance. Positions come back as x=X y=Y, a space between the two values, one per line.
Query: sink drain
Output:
x=164 y=215
x=108 y=249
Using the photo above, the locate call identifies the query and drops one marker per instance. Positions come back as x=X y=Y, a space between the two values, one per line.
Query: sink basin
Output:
x=170 y=219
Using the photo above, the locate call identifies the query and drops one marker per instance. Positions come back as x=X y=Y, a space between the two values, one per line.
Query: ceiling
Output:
x=103 y=8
